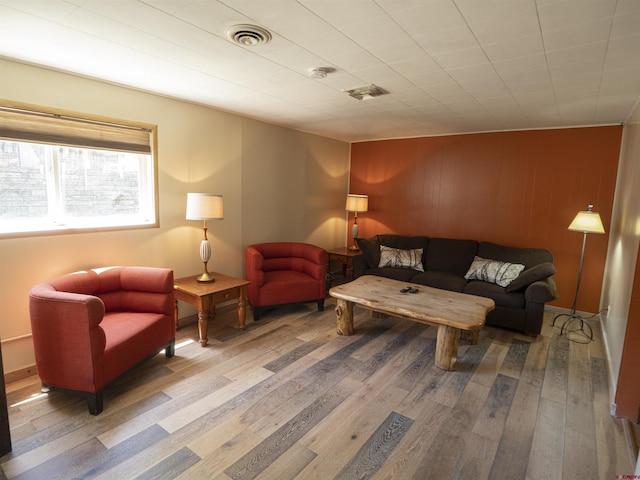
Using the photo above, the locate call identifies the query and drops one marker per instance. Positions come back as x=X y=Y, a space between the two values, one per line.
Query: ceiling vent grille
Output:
x=366 y=92
x=248 y=35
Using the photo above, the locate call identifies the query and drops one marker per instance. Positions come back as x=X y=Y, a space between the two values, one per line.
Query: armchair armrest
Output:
x=315 y=264
x=254 y=267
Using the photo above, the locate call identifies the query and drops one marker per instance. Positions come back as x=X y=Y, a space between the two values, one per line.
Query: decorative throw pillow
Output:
x=532 y=274
x=395 y=257
x=370 y=248
x=493 y=271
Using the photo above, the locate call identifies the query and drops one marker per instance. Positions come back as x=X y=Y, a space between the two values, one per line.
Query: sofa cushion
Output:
x=530 y=275
x=370 y=249
x=493 y=271
x=401 y=274
x=450 y=255
x=527 y=256
x=496 y=293
x=395 y=257
x=130 y=338
x=444 y=280
x=403 y=242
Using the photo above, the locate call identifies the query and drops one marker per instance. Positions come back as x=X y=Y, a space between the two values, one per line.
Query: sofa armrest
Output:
x=541 y=291
x=67 y=338
x=359 y=265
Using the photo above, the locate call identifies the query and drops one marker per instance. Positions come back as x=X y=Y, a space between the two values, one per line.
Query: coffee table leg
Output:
x=344 y=314
x=447 y=347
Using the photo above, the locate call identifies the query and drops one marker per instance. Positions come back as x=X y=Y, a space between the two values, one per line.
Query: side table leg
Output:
x=242 y=307
x=203 y=320
x=447 y=347
x=344 y=314
x=176 y=315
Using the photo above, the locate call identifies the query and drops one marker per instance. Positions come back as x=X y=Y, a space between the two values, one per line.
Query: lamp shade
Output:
x=204 y=206
x=587 y=221
x=357 y=203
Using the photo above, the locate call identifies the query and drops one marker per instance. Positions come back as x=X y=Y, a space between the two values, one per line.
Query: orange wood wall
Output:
x=515 y=188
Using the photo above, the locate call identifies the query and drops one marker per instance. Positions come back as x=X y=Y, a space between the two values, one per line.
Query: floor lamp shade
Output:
x=586 y=221
x=356 y=204
x=204 y=206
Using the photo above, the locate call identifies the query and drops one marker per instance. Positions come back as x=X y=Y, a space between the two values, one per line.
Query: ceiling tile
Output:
x=451 y=66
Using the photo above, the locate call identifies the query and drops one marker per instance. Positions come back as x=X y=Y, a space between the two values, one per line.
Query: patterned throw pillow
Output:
x=394 y=257
x=493 y=271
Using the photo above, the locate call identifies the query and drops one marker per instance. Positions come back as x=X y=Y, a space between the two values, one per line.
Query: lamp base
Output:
x=205 y=277
x=354 y=248
x=584 y=331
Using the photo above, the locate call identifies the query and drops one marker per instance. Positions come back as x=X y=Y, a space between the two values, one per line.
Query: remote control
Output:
x=405 y=289
x=413 y=290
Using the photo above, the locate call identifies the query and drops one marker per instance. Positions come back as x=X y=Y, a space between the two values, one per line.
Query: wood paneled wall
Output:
x=518 y=188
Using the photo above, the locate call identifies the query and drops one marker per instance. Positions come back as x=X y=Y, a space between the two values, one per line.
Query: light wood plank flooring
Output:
x=289 y=398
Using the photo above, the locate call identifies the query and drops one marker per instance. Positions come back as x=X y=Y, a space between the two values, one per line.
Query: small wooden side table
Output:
x=343 y=255
x=205 y=295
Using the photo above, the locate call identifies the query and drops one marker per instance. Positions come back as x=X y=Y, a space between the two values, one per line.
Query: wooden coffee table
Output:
x=204 y=296
x=451 y=312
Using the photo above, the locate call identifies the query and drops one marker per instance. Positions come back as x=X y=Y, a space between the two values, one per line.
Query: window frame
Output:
x=91 y=118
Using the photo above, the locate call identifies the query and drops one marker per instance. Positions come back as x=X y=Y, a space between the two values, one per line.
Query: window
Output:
x=61 y=172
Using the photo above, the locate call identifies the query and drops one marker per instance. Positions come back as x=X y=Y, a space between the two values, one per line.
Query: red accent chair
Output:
x=90 y=327
x=285 y=272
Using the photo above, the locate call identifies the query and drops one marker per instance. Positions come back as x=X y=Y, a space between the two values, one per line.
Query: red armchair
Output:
x=285 y=272
x=90 y=327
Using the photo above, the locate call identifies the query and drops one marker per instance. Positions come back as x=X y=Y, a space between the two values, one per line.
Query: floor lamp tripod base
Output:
x=584 y=329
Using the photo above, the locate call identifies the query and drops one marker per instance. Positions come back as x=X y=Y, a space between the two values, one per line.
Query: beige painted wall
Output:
x=624 y=239
x=278 y=184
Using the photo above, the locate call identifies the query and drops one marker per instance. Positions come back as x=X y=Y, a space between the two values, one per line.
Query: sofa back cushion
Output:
x=126 y=288
x=526 y=256
x=84 y=282
x=451 y=255
x=289 y=255
x=370 y=247
x=284 y=256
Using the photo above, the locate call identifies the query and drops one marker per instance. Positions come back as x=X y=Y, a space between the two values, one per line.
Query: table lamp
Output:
x=204 y=206
x=356 y=203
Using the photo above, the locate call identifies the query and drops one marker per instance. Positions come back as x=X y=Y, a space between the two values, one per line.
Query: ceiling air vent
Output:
x=366 y=92
x=248 y=35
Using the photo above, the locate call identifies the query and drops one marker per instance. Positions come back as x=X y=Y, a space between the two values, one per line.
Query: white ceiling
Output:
x=451 y=66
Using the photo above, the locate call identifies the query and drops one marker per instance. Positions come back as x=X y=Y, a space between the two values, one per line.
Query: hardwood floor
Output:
x=289 y=398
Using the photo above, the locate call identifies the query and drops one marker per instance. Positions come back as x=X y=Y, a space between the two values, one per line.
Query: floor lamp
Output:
x=585 y=222
x=204 y=206
x=355 y=204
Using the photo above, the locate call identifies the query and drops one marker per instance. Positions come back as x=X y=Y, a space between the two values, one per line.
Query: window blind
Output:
x=43 y=127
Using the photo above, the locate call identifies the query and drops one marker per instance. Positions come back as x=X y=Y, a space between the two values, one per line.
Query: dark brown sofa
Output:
x=444 y=262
